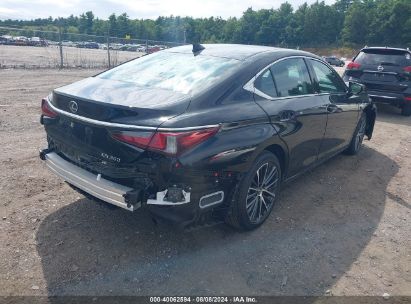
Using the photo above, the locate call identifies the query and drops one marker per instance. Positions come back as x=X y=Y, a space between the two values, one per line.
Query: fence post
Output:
x=61 y=48
x=108 y=48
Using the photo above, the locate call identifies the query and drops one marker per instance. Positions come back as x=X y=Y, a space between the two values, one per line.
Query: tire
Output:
x=406 y=110
x=358 y=137
x=253 y=199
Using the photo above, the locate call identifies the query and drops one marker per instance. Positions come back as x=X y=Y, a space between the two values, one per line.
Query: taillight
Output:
x=46 y=110
x=171 y=143
x=138 y=139
x=353 y=66
x=407 y=69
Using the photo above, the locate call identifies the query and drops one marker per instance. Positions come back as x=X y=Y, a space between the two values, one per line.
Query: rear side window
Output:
x=328 y=80
x=265 y=84
x=291 y=77
x=384 y=57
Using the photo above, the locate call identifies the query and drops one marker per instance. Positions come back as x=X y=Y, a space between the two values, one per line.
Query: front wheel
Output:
x=256 y=193
x=358 y=136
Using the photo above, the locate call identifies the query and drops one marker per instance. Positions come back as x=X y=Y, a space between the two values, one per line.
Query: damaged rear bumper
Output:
x=105 y=190
x=90 y=183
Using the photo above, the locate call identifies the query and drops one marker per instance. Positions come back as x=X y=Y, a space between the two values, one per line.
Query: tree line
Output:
x=346 y=22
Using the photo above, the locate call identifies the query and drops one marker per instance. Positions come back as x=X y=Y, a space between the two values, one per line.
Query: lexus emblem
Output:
x=73 y=106
x=380 y=68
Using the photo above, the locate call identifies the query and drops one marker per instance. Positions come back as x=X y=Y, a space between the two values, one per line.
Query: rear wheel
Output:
x=256 y=193
x=406 y=109
x=358 y=136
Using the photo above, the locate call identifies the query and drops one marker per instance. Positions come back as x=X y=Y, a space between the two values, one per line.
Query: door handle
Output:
x=286 y=115
x=332 y=108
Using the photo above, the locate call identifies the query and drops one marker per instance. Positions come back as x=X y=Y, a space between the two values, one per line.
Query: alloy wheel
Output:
x=262 y=192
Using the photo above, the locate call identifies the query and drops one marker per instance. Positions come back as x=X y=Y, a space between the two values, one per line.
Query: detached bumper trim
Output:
x=95 y=185
x=162 y=194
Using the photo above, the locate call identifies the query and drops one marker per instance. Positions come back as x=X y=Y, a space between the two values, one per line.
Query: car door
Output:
x=342 y=109
x=285 y=92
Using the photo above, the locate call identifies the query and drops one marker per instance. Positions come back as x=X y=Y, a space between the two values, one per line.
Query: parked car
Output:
x=51 y=42
x=333 y=60
x=104 y=47
x=80 y=44
x=205 y=133
x=386 y=72
x=37 y=41
x=6 y=39
x=129 y=47
x=116 y=46
x=88 y=45
x=68 y=43
x=21 y=40
x=152 y=49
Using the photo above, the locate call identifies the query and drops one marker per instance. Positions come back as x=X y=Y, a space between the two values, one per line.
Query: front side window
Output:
x=291 y=77
x=328 y=80
x=265 y=84
x=179 y=72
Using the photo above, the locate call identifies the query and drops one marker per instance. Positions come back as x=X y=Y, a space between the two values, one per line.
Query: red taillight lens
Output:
x=172 y=143
x=407 y=69
x=353 y=66
x=138 y=139
x=46 y=110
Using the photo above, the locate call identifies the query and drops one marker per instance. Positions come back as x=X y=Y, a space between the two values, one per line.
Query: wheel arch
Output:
x=282 y=156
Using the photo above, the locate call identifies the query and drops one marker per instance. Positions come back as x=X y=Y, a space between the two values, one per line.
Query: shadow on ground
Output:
x=390 y=114
x=323 y=222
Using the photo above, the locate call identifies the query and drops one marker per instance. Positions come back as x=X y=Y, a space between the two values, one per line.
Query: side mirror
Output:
x=355 y=88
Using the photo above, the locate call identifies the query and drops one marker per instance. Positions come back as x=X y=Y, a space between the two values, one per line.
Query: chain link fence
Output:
x=25 y=48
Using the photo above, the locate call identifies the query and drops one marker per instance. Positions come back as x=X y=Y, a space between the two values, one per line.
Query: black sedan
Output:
x=334 y=61
x=203 y=133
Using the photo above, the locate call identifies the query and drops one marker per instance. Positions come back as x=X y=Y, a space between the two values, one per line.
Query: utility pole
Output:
x=185 y=38
x=60 y=45
x=108 y=46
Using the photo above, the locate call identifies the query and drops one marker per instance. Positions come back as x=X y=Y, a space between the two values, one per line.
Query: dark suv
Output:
x=386 y=72
x=203 y=133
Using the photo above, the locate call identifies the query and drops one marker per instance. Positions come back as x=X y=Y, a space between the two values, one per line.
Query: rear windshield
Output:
x=183 y=73
x=384 y=57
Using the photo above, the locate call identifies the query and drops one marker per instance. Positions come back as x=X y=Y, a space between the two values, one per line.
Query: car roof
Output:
x=384 y=48
x=233 y=51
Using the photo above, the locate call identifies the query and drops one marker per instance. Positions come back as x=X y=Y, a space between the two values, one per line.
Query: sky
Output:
x=136 y=9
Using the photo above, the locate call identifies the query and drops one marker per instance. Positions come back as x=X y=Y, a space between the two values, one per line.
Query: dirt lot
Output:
x=41 y=57
x=342 y=229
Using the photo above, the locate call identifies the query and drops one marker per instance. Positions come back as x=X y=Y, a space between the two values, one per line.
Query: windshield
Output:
x=383 y=57
x=178 y=72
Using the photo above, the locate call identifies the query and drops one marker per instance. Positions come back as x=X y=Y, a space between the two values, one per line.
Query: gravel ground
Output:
x=12 y=56
x=342 y=229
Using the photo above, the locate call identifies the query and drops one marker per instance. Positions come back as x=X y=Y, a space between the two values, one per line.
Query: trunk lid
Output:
x=120 y=102
x=89 y=142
